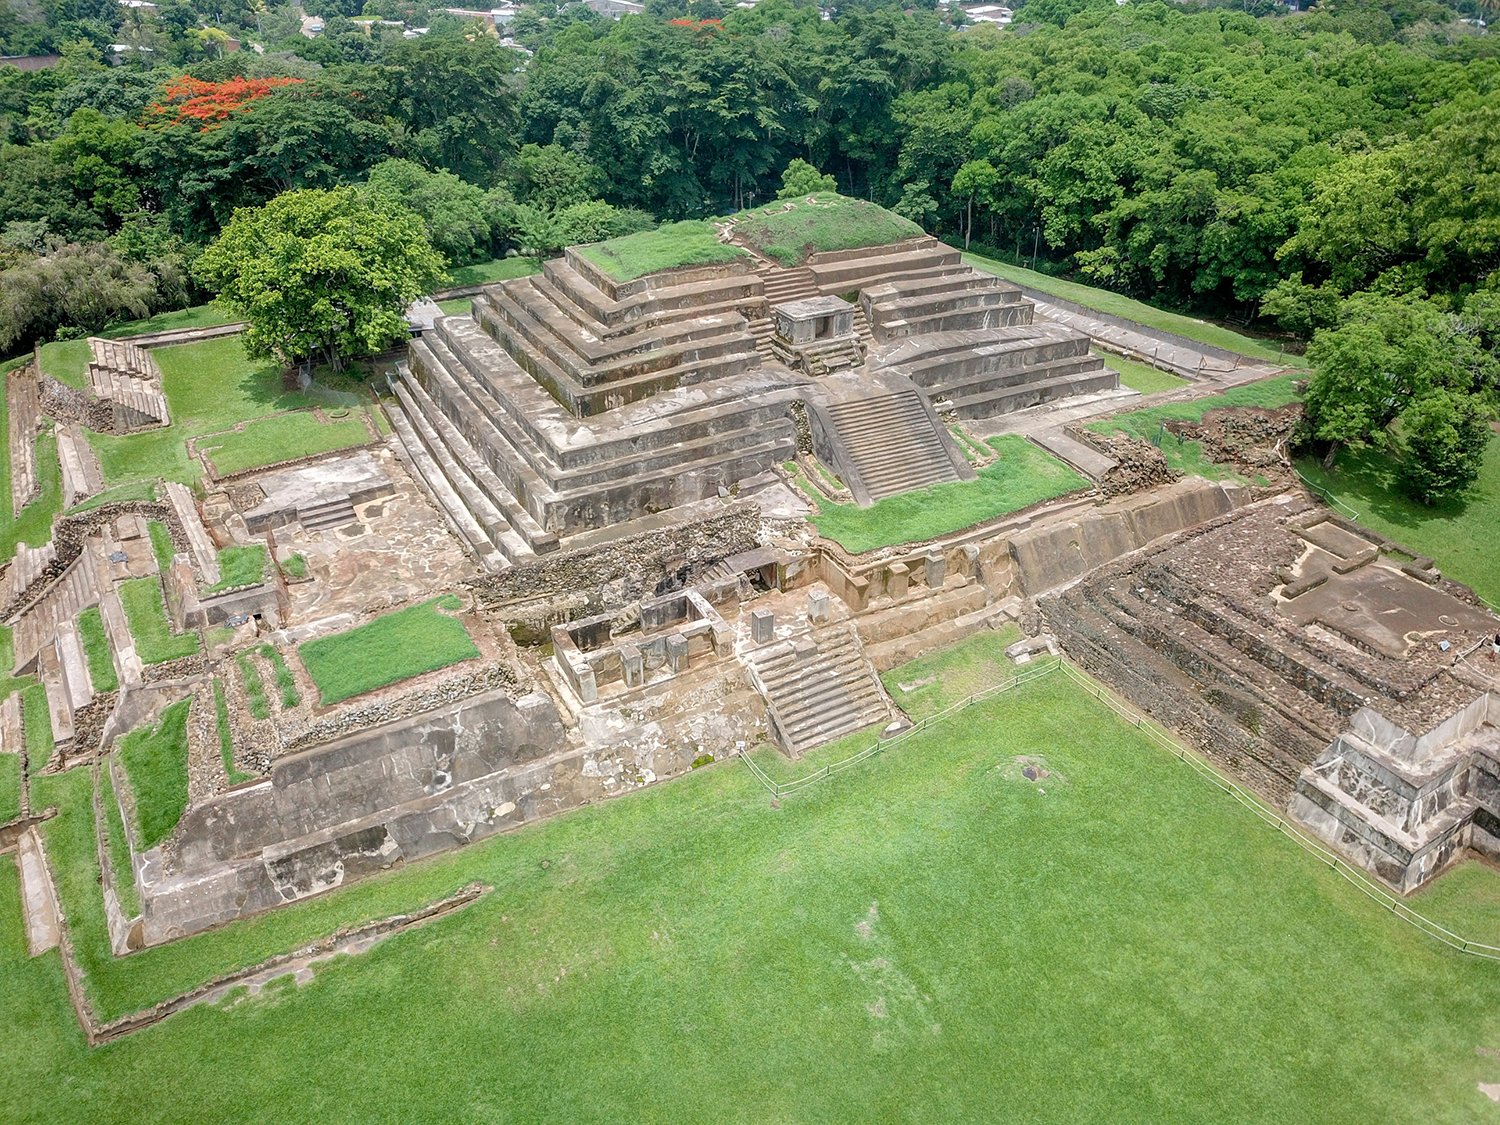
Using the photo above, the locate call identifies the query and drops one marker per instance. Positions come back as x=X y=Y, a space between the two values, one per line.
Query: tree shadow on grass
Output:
x=1367 y=480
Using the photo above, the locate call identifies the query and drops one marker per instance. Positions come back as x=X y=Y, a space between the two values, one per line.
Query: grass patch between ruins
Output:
x=420 y=638
x=67 y=361
x=161 y=544
x=693 y=242
x=226 y=735
x=36 y=727
x=155 y=760
x=211 y=386
x=141 y=490
x=1117 y=304
x=281 y=437
x=1141 y=377
x=933 y=683
x=1462 y=535
x=1185 y=456
x=791 y=230
x=1133 y=921
x=241 y=566
x=118 y=846
x=95 y=641
x=10 y=786
x=1022 y=476
x=32 y=525
x=498 y=269
x=155 y=643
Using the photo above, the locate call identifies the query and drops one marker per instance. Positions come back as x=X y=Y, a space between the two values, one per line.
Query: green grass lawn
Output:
x=281 y=437
x=411 y=641
x=241 y=566
x=1140 y=377
x=925 y=686
x=136 y=490
x=155 y=643
x=1187 y=456
x=67 y=361
x=922 y=937
x=457 y=306
x=1116 y=304
x=693 y=242
x=95 y=641
x=118 y=847
x=10 y=786
x=36 y=725
x=210 y=386
x=499 y=269
x=790 y=230
x=1463 y=536
x=1024 y=475
x=155 y=760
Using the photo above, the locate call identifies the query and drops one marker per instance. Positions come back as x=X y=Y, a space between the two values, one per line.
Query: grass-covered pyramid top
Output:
x=787 y=231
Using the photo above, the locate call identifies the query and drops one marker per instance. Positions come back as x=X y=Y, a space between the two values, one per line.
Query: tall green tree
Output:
x=321 y=274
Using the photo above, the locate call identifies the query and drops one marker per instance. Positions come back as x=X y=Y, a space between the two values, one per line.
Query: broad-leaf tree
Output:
x=321 y=274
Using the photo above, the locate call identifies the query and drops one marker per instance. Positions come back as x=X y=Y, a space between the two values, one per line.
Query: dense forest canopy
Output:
x=1241 y=161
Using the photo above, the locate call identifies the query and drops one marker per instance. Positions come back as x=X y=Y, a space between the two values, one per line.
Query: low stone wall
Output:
x=378 y=799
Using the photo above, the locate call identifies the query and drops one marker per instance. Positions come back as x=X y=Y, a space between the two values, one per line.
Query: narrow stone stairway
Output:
x=818 y=686
x=892 y=443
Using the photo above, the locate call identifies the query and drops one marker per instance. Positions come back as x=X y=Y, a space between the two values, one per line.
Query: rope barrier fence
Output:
x=1351 y=874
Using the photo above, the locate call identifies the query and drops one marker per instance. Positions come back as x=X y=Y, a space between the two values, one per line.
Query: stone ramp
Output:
x=38 y=899
x=200 y=545
x=818 y=686
x=81 y=475
x=24 y=399
x=890 y=443
x=1085 y=458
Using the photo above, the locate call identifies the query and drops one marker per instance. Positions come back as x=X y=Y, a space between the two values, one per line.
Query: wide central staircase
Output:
x=817 y=686
x=891 y=444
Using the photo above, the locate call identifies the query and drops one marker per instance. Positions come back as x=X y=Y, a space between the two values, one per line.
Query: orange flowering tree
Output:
x=186 y=100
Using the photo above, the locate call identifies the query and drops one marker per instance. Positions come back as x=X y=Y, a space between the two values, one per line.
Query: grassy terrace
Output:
x=693 y=242
x=1461 y=535
x=1140 y=377
x=155 y=643
x=790 y=230
x=411 y=641
x=281 y=437
x=95 y=641
x=10 y=786
x=928 y=929
x=1187 y=456
x=1024 y=475
x=1116 y=304
x=499 y=269
x=212 y=386
x=67 y=361
x=241 y=566
x=118 y=846
x=155 y=760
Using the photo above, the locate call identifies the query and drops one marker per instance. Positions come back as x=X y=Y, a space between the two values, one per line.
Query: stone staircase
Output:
x=125 y=376
x=27 y=568
x=781 y=286
x=205 y=555
x=818 y=686
x=892 y=444
x=38 y=626
x=327 y=515
x=24 y=398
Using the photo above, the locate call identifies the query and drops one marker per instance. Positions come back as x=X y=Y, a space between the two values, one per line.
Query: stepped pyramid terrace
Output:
x=608 y=389
x=665 y=501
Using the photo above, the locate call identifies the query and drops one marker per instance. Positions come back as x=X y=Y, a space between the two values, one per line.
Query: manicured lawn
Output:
x=925 y=936
x=789 y=231
x=281 y=437
x=1140 y=377
x=411 y=641
x=119 y=847
x=1187 y=456
x=241 y=566
x=95 y=641
x=1116 y=304
x=932 y=683
x=498 y=269
x=458 y=306
x=690 y=243
x=1462 y=536
x=210 y=386
x=155 y=643
x=10 y=787
x=1024 y=475
x=67 y=361
x=155 y=760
